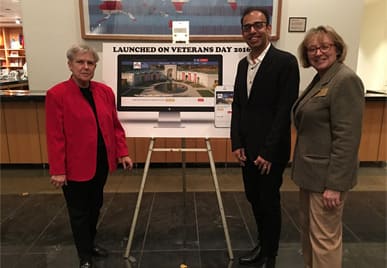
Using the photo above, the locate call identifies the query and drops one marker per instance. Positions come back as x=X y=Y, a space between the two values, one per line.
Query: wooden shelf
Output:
x=11 y=66
x=12 y=53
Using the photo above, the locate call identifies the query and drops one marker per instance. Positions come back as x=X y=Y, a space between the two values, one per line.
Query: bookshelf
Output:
x=12 y=54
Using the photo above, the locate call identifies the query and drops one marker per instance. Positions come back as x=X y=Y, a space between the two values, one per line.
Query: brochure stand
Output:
x=214 y=177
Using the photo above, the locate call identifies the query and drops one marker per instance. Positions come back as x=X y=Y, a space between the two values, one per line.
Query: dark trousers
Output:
x=263 y=193
x=84 y=201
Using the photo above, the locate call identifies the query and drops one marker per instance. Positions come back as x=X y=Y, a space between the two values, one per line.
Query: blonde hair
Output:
x=337 y=40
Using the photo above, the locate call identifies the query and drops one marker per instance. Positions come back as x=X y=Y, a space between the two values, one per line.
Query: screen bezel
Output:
x=172 y=57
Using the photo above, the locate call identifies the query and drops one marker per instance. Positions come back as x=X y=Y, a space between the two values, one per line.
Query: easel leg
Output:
x=139 y=198
x=219 y=197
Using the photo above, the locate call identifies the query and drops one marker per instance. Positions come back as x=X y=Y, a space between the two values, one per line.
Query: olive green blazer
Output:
x=328 y=118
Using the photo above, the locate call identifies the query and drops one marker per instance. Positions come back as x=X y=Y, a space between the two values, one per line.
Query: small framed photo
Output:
x=297 y=24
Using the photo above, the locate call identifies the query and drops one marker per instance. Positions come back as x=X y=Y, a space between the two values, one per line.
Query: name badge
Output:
x=322 y=92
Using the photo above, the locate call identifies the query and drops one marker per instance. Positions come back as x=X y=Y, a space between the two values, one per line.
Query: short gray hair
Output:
x=81 y=48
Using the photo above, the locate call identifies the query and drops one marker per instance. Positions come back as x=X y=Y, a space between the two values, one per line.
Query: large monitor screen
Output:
x=168 y=82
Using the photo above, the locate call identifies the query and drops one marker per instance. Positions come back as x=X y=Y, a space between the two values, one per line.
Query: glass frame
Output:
x=92 y=12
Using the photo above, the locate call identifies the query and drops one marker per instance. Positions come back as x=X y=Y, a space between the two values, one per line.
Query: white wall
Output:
x=372 y=65
x=51 y=27
x=344 y=16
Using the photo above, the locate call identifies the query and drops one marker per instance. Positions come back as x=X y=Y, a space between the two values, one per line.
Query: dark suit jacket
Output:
x=261 y=123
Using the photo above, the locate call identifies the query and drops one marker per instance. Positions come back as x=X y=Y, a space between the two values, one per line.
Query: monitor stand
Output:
x=169 y=119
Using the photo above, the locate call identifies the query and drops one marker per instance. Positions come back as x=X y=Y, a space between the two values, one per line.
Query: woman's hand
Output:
x=58 y=180
x=331 y=198
x=126 y=162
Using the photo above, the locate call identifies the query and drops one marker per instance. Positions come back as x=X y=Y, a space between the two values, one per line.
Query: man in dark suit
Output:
x=266 y=85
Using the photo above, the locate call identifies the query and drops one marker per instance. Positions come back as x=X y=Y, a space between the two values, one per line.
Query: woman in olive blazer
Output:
x=328 y=118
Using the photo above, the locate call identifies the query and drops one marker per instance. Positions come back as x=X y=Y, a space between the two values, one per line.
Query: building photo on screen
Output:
x=168 y=82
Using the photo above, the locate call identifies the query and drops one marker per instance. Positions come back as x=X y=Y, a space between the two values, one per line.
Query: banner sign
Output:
x=151 y=80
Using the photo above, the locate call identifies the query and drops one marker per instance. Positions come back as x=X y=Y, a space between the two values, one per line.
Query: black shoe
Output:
x=85 y=263
x=99 y=251
x=266 y=262
x=251 y=257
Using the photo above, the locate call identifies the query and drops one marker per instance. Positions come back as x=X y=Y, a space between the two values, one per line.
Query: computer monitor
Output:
x=179 y=83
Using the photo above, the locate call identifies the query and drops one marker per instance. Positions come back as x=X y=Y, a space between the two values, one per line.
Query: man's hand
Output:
x=263 y=165
x=239 y=154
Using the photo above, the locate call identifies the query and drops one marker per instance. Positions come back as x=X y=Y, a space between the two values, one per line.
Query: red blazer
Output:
x=72 y=130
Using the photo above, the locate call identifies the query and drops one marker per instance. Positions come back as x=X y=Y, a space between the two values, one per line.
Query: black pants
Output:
x=84 y=201
x=263 y=193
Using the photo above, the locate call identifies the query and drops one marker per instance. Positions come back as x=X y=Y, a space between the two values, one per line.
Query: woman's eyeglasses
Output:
x=324 y=48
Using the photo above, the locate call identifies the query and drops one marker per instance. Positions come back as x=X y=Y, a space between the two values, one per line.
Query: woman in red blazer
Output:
x=85 y=141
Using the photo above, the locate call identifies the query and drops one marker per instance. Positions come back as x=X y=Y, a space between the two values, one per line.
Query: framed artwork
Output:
x=297 y=24
x=151 y=20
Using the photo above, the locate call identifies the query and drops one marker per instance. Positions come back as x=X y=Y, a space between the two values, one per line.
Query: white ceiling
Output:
x=9 y=11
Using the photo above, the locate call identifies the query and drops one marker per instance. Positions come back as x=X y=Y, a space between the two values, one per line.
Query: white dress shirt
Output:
x=253 y=68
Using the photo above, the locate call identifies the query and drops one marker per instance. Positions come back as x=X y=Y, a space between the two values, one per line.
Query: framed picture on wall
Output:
x=297 y=24
x=151 y=20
